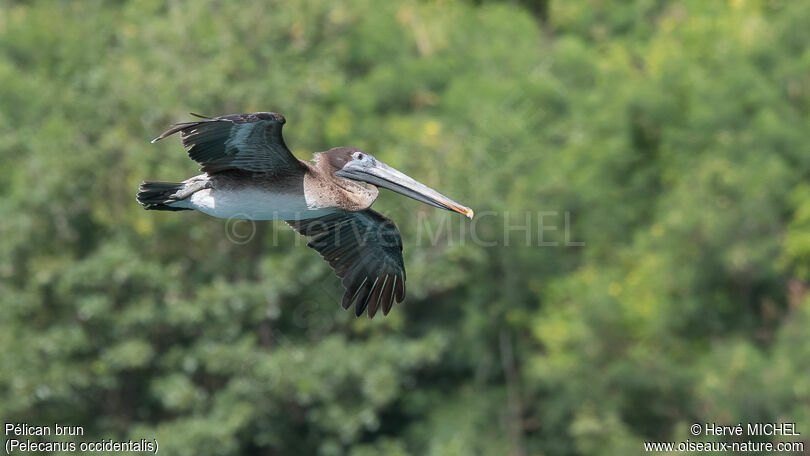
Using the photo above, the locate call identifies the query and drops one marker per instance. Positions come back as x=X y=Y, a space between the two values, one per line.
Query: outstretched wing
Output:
x=365 y=250
x=251 y=142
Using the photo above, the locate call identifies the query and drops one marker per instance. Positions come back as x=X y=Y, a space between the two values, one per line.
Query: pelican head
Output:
x=356 y=165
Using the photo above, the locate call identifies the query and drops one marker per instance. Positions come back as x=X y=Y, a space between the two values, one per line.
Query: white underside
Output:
x=251 y=204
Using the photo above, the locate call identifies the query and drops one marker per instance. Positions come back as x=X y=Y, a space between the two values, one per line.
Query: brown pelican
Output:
x=249 y=173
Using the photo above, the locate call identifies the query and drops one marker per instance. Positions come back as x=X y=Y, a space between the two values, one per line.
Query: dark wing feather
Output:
x=251 y=142
x=365 y=250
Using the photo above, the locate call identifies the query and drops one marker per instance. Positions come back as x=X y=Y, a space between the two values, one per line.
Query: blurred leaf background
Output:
x=670 y=137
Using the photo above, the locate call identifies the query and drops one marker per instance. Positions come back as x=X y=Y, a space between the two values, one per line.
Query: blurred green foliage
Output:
x=673 y=135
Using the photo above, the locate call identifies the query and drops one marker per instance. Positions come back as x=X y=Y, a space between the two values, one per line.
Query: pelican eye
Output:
x=359 y=156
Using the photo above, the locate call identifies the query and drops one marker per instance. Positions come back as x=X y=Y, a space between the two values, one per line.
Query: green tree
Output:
x=668 y=137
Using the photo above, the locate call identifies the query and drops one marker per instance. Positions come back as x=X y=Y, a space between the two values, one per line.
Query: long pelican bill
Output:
x=382 y=175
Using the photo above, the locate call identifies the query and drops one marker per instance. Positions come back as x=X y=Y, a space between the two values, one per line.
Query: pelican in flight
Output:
x=249 y=173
